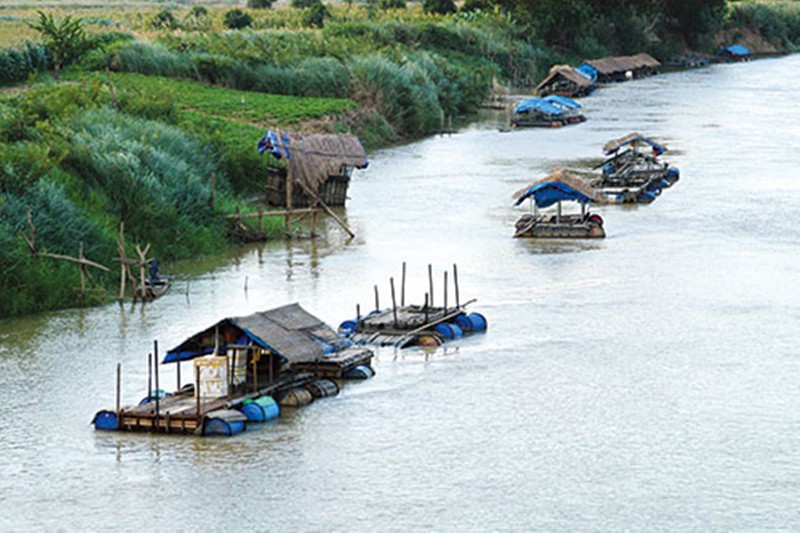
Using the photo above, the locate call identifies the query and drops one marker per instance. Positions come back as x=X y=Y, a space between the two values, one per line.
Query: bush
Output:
x=164 y=19
x=439 y=7
x=259 y=4
x=153 y=59
x=16 y=64
x=392 y=4
x=236 y=19
x=316 y=14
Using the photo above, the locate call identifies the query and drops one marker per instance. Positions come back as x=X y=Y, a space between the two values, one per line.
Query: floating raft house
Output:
x=633 y=175
x=565 y=80
x=620 y=68
x=245 y=369
x=415 y=325
x=551 y=111
x=318 y=166
x=734 y=53
x=558 y=187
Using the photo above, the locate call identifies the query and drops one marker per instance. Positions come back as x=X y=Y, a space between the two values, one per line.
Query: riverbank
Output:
x=157 y=126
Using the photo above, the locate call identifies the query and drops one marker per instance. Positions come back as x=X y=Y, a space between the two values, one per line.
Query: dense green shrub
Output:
x=392 y=4
x=164 y=19
x=316 y=14
x=16 y=64
x=153 y=59
x=439 y=7
x=259 y=4
x=237 y=19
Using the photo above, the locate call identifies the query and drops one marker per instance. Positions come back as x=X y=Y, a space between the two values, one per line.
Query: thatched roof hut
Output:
x=289 y=332
x=575 y=189
x=615 y=68
x=632 y=139
x=312 y=161
x=565 y=80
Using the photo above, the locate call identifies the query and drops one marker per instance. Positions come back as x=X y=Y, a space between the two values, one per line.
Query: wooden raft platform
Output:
x=178 y=413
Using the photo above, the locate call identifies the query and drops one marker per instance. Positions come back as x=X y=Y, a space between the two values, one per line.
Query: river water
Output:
x=650 y=380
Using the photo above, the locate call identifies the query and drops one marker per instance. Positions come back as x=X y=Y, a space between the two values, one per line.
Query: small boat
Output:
x=155 y=285
x=551 y=111
x=632 y=175
x=554 y=189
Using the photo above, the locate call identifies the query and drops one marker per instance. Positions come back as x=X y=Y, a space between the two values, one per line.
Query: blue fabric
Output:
x=539 y=104
x=550 y=192
x=562 y=101
x=588 y=71
x=736 y=50
x=270 y=143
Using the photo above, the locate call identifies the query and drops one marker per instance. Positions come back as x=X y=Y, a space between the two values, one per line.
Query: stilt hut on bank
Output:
x=734 y=53
x=317 y=167
x=565 y=80
x=621 y=68
x=244 y=369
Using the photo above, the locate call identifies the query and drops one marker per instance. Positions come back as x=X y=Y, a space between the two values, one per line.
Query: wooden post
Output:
x=455 y=283
x=445 y=291
x=260 y=223
x=119 y=387
x=403 y=287
x=430 y=283
x=426 y=308
x=83 y=271
x=149 y=376
x=231 y=368
x=287 y=221
x=122 y=260
x=158 y=390
x=255 y=370
x=197 y=392
x=314 y=222
x=394 y=302
x=178 y=372
x=358 y=314
x=377 y=305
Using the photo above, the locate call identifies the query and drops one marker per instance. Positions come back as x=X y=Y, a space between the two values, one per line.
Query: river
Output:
x=647 y=381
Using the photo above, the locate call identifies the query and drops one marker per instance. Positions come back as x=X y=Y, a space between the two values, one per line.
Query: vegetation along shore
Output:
x=145 y=115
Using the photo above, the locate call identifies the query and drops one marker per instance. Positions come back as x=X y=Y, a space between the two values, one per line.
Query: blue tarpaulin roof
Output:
x=276 y=145
x=558 y=186
x=588 y=71
x=562 y=101
x=539 y=104
x=550 y=192
x=736 y=50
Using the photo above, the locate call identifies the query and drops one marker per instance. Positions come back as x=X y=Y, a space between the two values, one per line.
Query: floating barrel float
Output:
x=360 y=372
x=224 y=422
x=448 y=331
x=322 y=388
x=430 y=341
x=261 y=409
x=347 y=327
x=159 y=394
x=673 y=175
x=295 y=397
x=645 y=197
x=106 y=420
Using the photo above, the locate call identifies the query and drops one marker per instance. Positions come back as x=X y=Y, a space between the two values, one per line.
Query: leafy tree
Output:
x=475 y=5
x=259 y=4
x=66 y=40
x=316 y=14
x=164 y=19
x=695 y=18
x=237 y=19
x=303 y=4
x=439 y=7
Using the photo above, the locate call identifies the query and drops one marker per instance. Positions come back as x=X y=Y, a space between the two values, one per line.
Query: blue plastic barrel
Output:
x=322 y=388
x=645 y=197
x=106 y=421
x=673 y=172
x=479 y=322
x=464 y=322
x=457 y=331
x=360 y=372
x=347 y=327
x=608 y=168
x=225 y=424
x=445 y=331
x=261 y=409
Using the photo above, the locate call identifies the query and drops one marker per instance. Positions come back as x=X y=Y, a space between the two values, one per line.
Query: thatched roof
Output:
x=313 y=158
x=290 y=331
x=567 y=72
x=615 y=144
x=617 y=64
x=562 y=175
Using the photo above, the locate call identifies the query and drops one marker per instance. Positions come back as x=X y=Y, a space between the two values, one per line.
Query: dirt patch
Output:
x=746 y=37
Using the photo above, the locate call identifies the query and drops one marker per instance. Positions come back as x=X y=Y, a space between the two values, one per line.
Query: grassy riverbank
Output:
x=168 y=97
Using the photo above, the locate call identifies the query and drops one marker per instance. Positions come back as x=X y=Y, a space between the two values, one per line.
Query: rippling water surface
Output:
x=647 y=381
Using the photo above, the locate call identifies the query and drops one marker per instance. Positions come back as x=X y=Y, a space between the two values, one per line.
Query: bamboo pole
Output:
x=178 y=373
x=377 y=305
x=158 y=389
x=122 y=260
x=149 y=376
x=403 y=287
x=119 y=387
x=445 y=291
x=327 y=209
x=430 y=283
x=394 y=302
x=287 y=221
x=83 y=271
x=197 y=392
x=455 y=283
